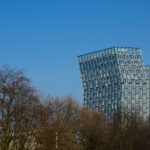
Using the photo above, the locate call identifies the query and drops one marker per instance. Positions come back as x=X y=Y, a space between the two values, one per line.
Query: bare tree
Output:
x=92 y=130
x=129 y=133
x=17 y=100
x=56 y=120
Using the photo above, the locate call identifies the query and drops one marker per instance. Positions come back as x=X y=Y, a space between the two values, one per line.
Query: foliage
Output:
x=28 y=123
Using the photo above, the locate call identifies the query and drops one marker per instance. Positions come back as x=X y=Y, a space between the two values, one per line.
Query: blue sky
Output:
x=45 y=37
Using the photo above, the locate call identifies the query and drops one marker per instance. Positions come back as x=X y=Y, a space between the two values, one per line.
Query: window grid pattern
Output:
x=115 y=79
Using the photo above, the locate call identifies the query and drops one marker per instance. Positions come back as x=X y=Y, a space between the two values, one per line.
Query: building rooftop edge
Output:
x=108 y=49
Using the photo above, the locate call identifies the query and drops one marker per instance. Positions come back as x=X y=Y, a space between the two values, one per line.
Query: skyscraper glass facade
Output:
x=116 y=79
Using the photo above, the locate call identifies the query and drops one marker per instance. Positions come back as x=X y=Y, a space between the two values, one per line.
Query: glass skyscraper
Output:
x=116 y=79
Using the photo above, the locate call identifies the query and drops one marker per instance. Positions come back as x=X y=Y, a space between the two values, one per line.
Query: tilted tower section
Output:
x=115 y=79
